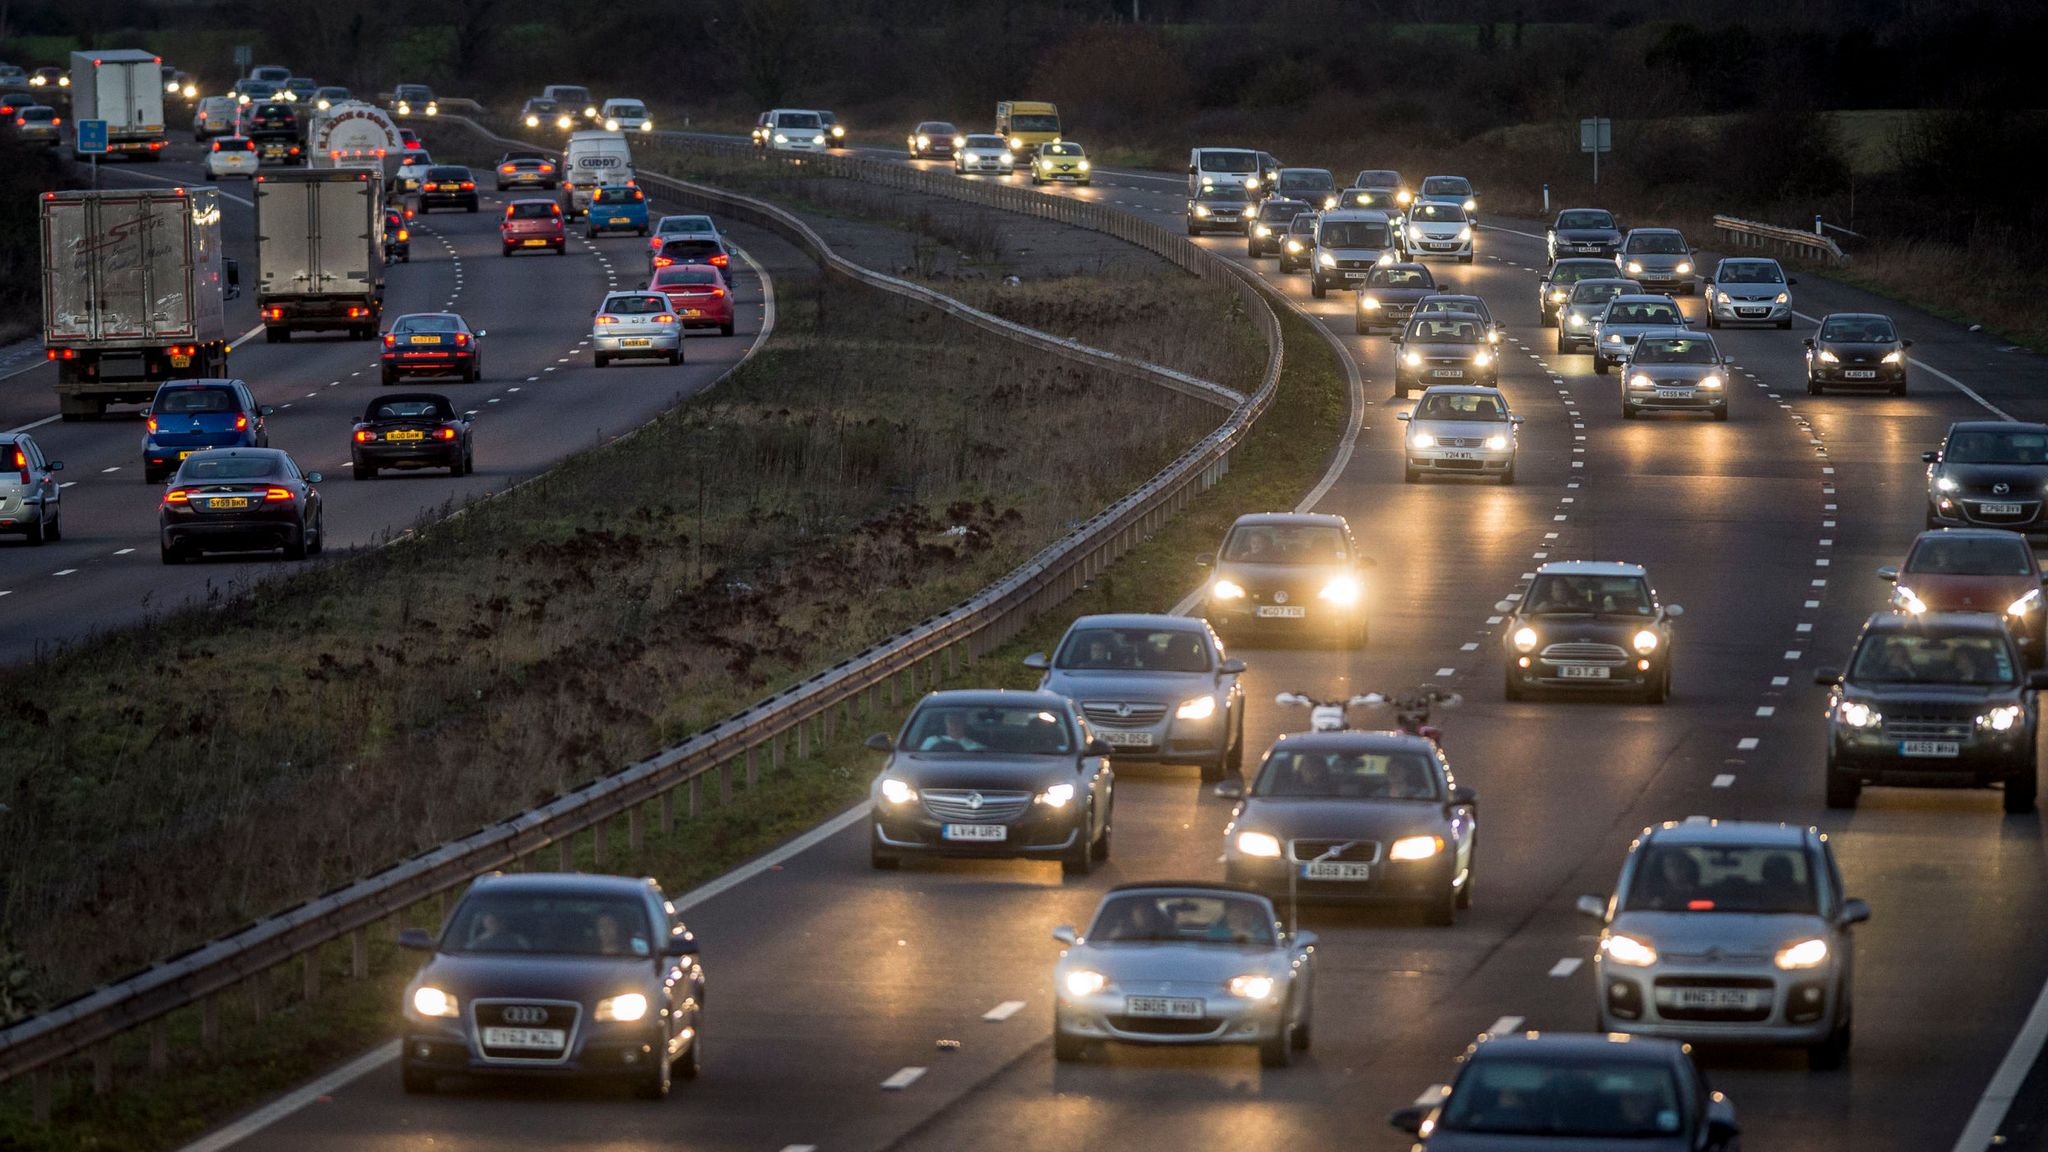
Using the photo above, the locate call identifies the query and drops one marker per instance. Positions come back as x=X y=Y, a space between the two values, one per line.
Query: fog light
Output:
x=1642 y=665
x=422 y=1051
x=1521 y=661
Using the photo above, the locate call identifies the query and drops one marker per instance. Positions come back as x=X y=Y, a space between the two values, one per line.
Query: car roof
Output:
x=1009 y=697
x=1188 y=886
x=564 y=882
x=224 y=453
x=1562 y=211
x=1591 y=568
x=1360 y=215
x=1566 y=1047
x=1411 y=266
x=1654 y=232
x=1284 y=171
x=1749 y=260
x=1355 y=740
x=1304 y=518
x=197 y=382
x=1643 y=298
x=1995 y=426
x=1452 y=296
x=408 y=398
x=1609 y=280
x=1160 y=620
x=1855 y=316
x=1698 y=830
x=422 y=315
x=1971 y=534
x=1600 y=260
x=1460 y=390
x=1947 y=623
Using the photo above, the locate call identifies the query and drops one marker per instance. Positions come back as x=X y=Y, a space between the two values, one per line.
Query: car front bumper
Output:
x=1775 y=1007
x=1462 y=461
x=1316 y=618
x=1660 y=278
x=1859 y=375
x=1534 y=671
x=1387 y=882
x=1688 y=399
x=1167 y=740
x=1728 y=311
x=1981 y=759
x=1038 y=832
x=1966 y=510
x=1225 y=1019
x=596 y=1050
x=1428 y=247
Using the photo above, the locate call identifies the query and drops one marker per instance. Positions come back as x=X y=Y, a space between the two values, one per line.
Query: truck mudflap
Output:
x=90 y=379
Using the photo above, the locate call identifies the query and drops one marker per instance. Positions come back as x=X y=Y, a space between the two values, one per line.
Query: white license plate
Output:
x=1447 y=372
x=1336 y=870
x=530 y=1039
x=1582 y=671
x=1166 y=1007
x=992 y=832
x=1117 y=739
x=1443 y=247
x=1673 y=394
x=636 y=342
x=1458 y=455
x=1999 y=509
x=1276 y=612
x=1859 y=374
x=1753 y=311
x=1589 y=248
x=1930 y=748
x=1354 y=275
x=1711 y=998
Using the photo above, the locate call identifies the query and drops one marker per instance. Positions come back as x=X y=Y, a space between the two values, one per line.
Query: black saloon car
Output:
x=1573 y=1092
x=1584 y=232
x=1989 y=474
x=1556 y=285
x=1856 y=350
x=1389 y=295
x=1589 y=625
x=1355 y=818
x=412 y=430
x=1266 y=229
x=1293 y=574
x=448 y=186
x=240 y=500
x=1937 y=700
x=990 y=773
x=556 y=975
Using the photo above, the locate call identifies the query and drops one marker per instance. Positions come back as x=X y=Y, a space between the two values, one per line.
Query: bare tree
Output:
x=769 y=38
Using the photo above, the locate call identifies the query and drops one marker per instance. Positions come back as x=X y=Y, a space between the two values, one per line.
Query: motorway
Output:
x=830 y=983
x=540 y=400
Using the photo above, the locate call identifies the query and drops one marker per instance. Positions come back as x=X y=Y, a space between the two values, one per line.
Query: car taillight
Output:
x=21 y=462
x=462 y=339
x=216 y=145
x=365 y=437
x=466 y=184
x=720 y=260
x=546 y=168
x=718 y=291
x=389 y=340
x=662 y=261
x=665 y=318
x=177 y=496
x=444 y=434
x=273 y=313
x=62 y=354
x=152 y=423
x=405 y=233
x=607 y=319
x=429 y=187
x=507 y=169
x=241 y=423
x=358 y=313
x=20 y=123
x=277 y=494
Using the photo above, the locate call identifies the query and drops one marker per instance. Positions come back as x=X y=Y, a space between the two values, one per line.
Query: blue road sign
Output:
x=92 y=136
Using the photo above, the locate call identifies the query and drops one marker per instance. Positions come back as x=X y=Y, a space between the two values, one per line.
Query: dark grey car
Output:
x=1583 y=232
x=1856 y=350
x=1153 y=687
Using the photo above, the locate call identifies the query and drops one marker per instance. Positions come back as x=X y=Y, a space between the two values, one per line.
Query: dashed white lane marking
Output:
x=1494 y=619
x=1505 y=1025
x=1821 y=563
x=1746 y=744
x=1469 y=647
x=1447 y=672
x=1804 y=628
x=903 y=1078
x=1780 y=681
x=1813 y=603
x=123 y=551
x=1793 y=654
x=115 y=468
x=1724 y=780
x=1566 y=966
x=66 y=484
x=1766 y=710
x=1820 y=583
x=1003 y=1011
x=63 y=571
x=799 y=1148
x=6 y=591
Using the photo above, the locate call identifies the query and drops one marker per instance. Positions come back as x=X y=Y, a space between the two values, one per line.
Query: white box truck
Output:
x=124 y=87
x=320 y=251
x=133 y=291
x=593 y=160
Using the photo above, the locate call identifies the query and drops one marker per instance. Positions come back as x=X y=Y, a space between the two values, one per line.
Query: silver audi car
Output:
x=1729 y=932
x=1184 y=964
x=1460 y=430
x=1153 y=687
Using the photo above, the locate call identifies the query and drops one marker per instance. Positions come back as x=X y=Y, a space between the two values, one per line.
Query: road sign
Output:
x=92 y=135
x=1596 y=135
x=244 y=56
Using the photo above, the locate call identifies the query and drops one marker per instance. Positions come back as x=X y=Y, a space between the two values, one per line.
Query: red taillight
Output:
x=545 y=168
x=462 y=339
x=62 y=354
x=429 y=187
x=273 y=313
x=365 y=437
x=468 y=184
x=277 y=494
x=241 y=423
x=216 y=145
x=662 y=261
x=152 y=423
x=177 y=496
x=507 y=169
x=21 y=462
x=607 y=319
x=358 y=313
x=20 y=123
x=720 y=260
x=445 y=434
x=665 y=318
x=389 y=340
x=718 y=291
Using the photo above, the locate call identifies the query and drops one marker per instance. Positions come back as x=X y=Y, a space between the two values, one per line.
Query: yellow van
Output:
x=1025 y=124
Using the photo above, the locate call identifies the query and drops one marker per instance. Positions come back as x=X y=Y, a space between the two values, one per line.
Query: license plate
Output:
x=1933 y=748
x=1589 y=248
x=995 y=832
x=1860 y=374
x=426 y=340
x=1673 y=394
x=692 y=313
x=636 y=342
x=228 y=502
x=1582 y=671
x=1711 y=998
x=1458 y=455
x=181 y=361
x=406 y=434
x=1753 y=311
x=1278 y=612
x=530 y=1039
x=1166 y=1007
x=1336 y=870
x=1447 y=372
x=1999 y=509
x=1354 y=275
x=1117 y=739
x=535 y=243
x=1443 y=246
x=619 y=220
x=185 y=453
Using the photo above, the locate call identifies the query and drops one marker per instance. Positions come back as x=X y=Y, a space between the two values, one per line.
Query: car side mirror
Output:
x=1594 y=906
x=1791 y=280
x=1465 y=796
x=416 y=940
x=1827 y=677
x=1097 y=746
x=2038 y=681
x=1231 y=667
x=264 y=410
x=1515 y=420
x=1930 y=457
x=1905 y=343
x=1721 y=1126
x=314 y=478
x=1888 y=572
x=1404 y=415
x=482 y=332
x=471 y=414
x=54 y=466
x=1410 y=1118
x=1503 y=605
x=1064 y=934
x=1306 y=939
x=1808 y=341
x=1853 y=912
x=1037 y=662
x=1231 y=790
x=1191 y=169
x=880 y=742
x=684 y=945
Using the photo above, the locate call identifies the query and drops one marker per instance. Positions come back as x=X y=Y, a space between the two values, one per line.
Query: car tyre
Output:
x=1102 y=840
x=1550 y=319
x=1843 y=789
x=1465 y=892
x=1599 y=365
x=1831 y=1054
x=1899 y=389
x=1080 y=861
x=654 y=1083
x=390 y=377
x=1713 y=321
x=1278 y=1052
x=172 y=554
x=1721 y=414
x=1441 y=910
x=37 y=532
x=676 y=357
x=2020 y=791
x=725 y=329
x=319 y=543
x=1315 y=287
x=1411 y=474
x=1361 y=327
x=599 y=359
x=1067 y=1049
x=417 y=1081
x=880 y=860
x=507 y=249
x=1562 y=347
x=1507 y=478
x=296 y=549
x=1813 y=387
x=55 y=530
x=1659 y=692
x=1512 y=688
x=1303 y=1036
x=1786 y=323
x=1465 y=259
x=691 y=1062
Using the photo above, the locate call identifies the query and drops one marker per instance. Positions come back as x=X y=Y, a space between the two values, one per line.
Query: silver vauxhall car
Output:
x=1152 y=687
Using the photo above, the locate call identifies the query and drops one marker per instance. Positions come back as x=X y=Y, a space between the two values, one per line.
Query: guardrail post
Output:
x=634 y=836
x=803 y=741
x=209 y=1023
x=562 y=855
x=666 y=820
x=311 y=961
x=599 y=842
x=39 y=1094
x=696 y=794
x=259 y=996
x=725 y=780
x=103 y=1068
x=774 y=760
x=159 y=1045
x=359 y=953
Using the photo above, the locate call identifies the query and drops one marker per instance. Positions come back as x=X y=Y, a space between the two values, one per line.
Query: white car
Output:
x=215 y=116
x=414 y=170
x=623 y=115
x=793 y=130
x=630 y=325
x=1458 y=429
x=1439 y=230
x=984 y=153
x=1749 y=290
x=233 y=156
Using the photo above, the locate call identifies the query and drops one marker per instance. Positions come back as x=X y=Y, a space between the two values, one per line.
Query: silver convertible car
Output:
x=1174 y=963
x=1153 y=687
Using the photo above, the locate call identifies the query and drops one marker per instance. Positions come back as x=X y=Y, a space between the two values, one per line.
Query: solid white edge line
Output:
x=2006 y=1082
x=799 y=1148
x=1353 y=421
x=294 y=1100
x=1951 y=381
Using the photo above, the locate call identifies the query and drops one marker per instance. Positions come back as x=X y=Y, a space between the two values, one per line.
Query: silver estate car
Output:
x=632 y=325
x=1460 y=430
x=1626 y=320
x=1676 y=371
x=1152 y=687
x=1749 y=290
x=1729 y=932
x=1657 y=258
x=1184 y=964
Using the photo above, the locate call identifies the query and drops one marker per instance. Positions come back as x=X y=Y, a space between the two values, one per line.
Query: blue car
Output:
x=621 y=209
x=190 y=416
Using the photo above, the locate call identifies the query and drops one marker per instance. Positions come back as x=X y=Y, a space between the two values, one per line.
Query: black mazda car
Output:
x=1989 y=474
x=412 y=430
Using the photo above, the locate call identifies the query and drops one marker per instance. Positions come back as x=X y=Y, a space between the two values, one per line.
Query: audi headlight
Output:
x=1497 y=442
x=1857 y=714
x=1415 y=847
x=2024 y=604
x=1683 y=268
x=1645 y=642
x=1895 y=356
x=897 y=792
x=1226 y=590
x=1525 y=639
x=1784 y=297
x=1369 y=303
x=1471 y=205
x=1575 y=320
x=1635 y=267
x=1251 y=987
x=1199 y=708
x=1413 y=359
x=1057 y=796
x=1909 y=600
x=1326 y=260
x=1082 y=982
x=1805 y=954
x=1465 y=233
x=1641 y=382
x=624 y=1008
x=1422 y=440
x=1628 y=950
x=428 y=1000
x=1260 y=844
x=1342 y=590
x=2001 y=719
x=1945 y=484
x=1481 y=358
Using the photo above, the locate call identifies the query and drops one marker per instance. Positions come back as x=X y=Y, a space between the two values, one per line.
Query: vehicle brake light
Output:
x=152 y=423
x=444 y=434
x=718 y=291
x=505 y=168
x=358 y=313
x=63 y=354
x=405 y=233
x=21 y=462
x=665 y=318
x=365 y=437
x=389 y=340
x=466 y=184
x=216 y=145
x=20 y=123
x=177 y=496
x=461 y=339
x=277 y=494
x=662 y=261
x=241 y=423
x=273 y=313
x=720 y=260
x=607 y=319
x=547 y=168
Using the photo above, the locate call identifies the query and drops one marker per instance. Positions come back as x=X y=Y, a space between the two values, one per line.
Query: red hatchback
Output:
x=699 y=294
x=533 y=224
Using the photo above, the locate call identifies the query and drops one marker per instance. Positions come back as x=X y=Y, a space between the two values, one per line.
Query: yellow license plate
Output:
x=537 y=243
x=693 y=312
x=636 y=342
x=620 y=220
x=228 y=502
x=181 y=361
x=412 y=434
x=185 y=453
x=426 y=339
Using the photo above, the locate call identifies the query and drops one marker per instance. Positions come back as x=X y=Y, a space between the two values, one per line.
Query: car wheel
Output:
x=1721 y=414
x=1102 y=840
x=1786 y=323
x=319 y=543
x=1843 y=789
x=472 y=206
x=1303 y=1037
x=1659 y=692
x=469 y=462
x=1562 y=347
x=1080 y=861
x=2019 y=791
x=1361 y=327
x=507 y=249
x=1813 y=387
x=1550 y=319
x=390 y=377
x=1315 y=287
x=1507 y=478
x=1899 y=389
x=1832 y=1053
x=1511 y=687
x=725 y=329
x=1278 y=1052
x=1441 y=910
x=417 y=1081
x=1067 y=1049
x=1465 y=892
x=1599 y=365
x=296 y=549
x=364 y=471
x=1465 y=259
x=654 y=1083
x=675 y=357
x=55 y=531
x=1713 y=321
x=691 y=1061
x=1411 y=474
x=599 y=359
x=879 y=859
x=473 y=373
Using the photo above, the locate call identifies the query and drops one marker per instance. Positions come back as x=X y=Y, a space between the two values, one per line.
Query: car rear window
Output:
x=408 y=410
x=532 y=210
x=185 y=400
x=204 y=468
x=447 y=172
x=426 y=324
x=620 y=196
x=636 y=305
x=671 y=277
x=685 y=249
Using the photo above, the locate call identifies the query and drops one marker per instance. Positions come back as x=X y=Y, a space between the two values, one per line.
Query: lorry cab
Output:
x=1219 y=167
x=593 y=159
x=1024 y=125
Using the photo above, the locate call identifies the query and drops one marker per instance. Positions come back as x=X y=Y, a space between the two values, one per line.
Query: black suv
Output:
x=1989 y=474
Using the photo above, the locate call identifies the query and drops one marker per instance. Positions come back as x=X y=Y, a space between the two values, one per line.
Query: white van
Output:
x=594 y=159
x=624 y=114
x=1219 y=167
x=795 y=130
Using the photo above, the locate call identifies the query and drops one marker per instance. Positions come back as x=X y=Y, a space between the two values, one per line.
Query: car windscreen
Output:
x=1657 y=244
x=1461 y=406
x=1675 y=350
x=1303 y=223
x=685 y=277
x=551 y=924
x=1336 y=774
x=415 y=92
x=1060 y=150
x=1034 y=122
x=637 y=305
x=1134 y=650
x=1858 y=330
x=1996 y=447
x=187 y=400
x=799 y=120
x=1314 y=180
x=1228 y=161
x=1559 y=592
x=1750 y=272
x=1353 y=234
x=1451 y=307
x=630 y=111
x=408 y=410
x=532 y=210
x=1585 y=218
x=1589 y=293
x=1446 y=330
x=682 y=249
x=447 y=172
x=427 y=324
x=985 y=142
x=571 y=95
x=1225 y=193
x=1917 y=658
x=1403 y=278
x=206 y=470
x=1446 y=186
x=935 y=128
x=1572 y=271
x=1182 y=917
x=1437 y=214
x=1012 y=729
x=686 y=224
x=1756 y=879
x=1661 y=315
x=1285 y=544
x=1275 y=211
x=1945 y=555
x=1589 y=1099
x=1378 y=178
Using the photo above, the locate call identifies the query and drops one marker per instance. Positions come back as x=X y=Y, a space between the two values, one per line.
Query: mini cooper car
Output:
x=1974 y=570
x=412 y=430
x=1290 y=574
x=1460 y=430
x=1153 y=687
x=1856 y=350
x=1589 y=625
x=1184 y=963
